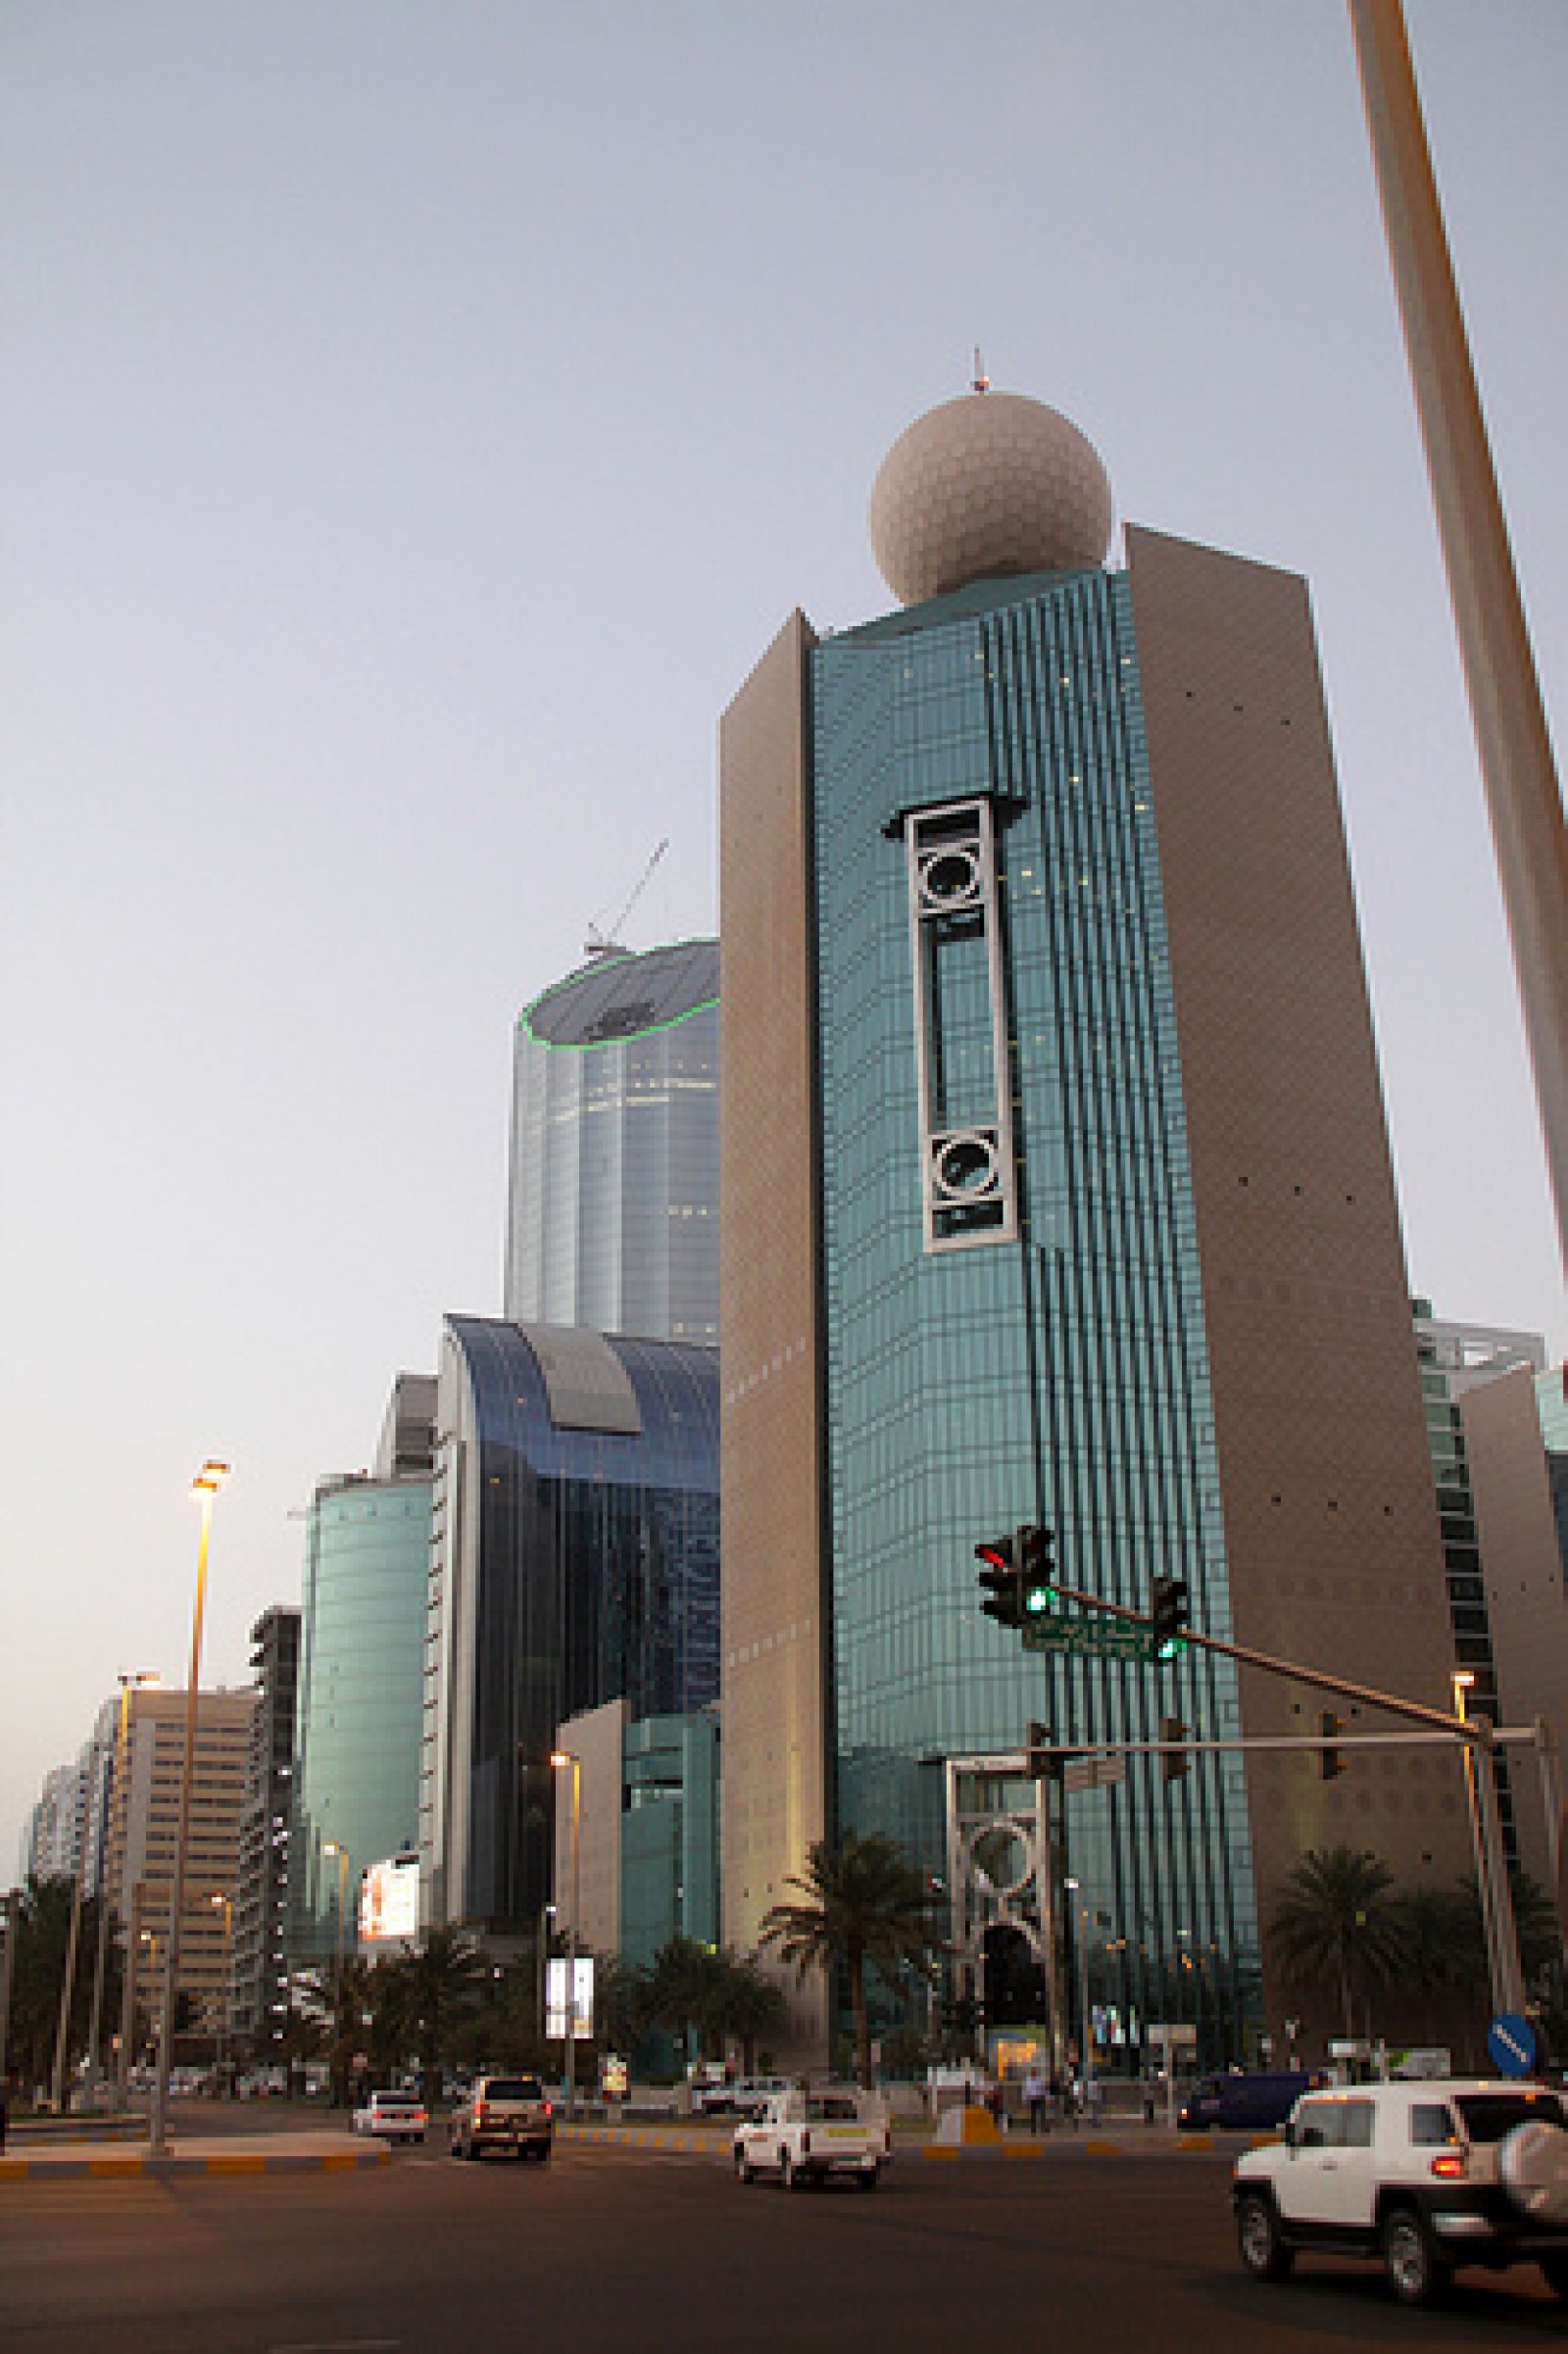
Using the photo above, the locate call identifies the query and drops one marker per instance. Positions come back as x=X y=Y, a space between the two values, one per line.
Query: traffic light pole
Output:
x=1476 y=1733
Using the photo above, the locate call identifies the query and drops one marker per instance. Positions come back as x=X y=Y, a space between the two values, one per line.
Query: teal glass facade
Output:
x=360 y=1697
x=669 y=1834
x=993 y=1361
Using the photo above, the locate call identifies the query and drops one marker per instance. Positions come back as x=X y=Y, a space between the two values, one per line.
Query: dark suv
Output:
x=503 y=2112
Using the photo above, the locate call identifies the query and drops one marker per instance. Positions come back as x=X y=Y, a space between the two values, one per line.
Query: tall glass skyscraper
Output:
x=575 y=1562
x=361 y=1699
x=613 y=1208
x=1056 y=1191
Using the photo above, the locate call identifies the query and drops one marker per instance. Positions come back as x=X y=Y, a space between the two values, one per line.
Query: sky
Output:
x=415 y=422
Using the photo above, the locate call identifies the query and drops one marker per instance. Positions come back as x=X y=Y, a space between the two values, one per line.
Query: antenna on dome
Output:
x=979 y=381
x=608 y=943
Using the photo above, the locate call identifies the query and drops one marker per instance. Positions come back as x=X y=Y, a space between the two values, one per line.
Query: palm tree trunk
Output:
x=1344 y=1996
x=862 y=2016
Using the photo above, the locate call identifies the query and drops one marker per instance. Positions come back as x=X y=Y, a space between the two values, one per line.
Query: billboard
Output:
x=582 y=2025
x=389 y=1902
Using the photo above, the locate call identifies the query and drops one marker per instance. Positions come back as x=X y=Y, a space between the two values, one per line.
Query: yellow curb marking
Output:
x=245 y=2163
x=115 y=2166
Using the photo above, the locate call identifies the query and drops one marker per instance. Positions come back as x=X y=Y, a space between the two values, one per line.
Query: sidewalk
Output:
x=261 y=2154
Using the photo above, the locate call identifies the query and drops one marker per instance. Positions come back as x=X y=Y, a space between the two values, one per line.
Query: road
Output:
x=642 y=2250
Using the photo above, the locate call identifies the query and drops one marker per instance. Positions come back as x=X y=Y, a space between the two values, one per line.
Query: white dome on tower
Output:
x=990 y=484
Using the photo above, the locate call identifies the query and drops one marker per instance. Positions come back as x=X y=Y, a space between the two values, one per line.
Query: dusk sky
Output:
x=416 y=419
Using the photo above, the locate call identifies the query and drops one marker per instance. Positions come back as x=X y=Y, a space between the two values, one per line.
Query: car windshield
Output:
x=1490 y=2116
x=512 y=2087
x=841 y=2106
x=393 y=2101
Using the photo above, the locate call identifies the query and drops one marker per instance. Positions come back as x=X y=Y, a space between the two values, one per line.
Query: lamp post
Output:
x=204 y=1486
x=223 y=1904
x=116 y=1797
x=336 y=1847
x=547 y=1915
x=68 y=1981
x=1087 y=2062
x=557 y=1759
x=1492 y=1875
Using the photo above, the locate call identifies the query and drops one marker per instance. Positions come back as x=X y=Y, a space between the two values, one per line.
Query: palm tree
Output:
x=1335 y=1914
x=623 y=1998
x=40 y=1923
x=436 y=1984
x=750 y=2004
x=1439 y=1948
x=860 y=1902
x=685 y=1991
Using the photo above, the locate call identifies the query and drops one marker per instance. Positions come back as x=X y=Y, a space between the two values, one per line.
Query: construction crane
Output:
x=607 y=943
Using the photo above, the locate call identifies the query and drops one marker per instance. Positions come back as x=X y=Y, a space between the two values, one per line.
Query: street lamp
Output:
x=225 y=1905
x=1083 y=1996
x=336 y=1847
x=117 y=1798
x=557 y=1759
x=1492 y=1876
x=204 y=1486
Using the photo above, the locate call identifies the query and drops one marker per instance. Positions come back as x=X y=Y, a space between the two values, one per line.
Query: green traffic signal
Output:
x=1168 y=1615
x=1034 y=1563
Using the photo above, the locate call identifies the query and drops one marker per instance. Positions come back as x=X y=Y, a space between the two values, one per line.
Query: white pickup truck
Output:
x=808 y=2136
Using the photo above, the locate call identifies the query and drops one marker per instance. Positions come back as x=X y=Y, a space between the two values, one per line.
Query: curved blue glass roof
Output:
x=619 y=996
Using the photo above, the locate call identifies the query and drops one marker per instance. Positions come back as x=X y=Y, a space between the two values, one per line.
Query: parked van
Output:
x=1248 y=2102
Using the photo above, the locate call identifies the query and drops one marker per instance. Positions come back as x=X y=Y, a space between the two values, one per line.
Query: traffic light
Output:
x=1168 y=1615
x=1331 y=1760
x=1041 y=1763
x=1035 y=1547
x=1002 y=1581
x=1174 y=1763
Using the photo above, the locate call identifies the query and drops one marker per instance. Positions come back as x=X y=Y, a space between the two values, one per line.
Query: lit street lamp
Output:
x=223 y=1904
x=557 y=1759
x=116 y=1797
x=204 y=1486
x=1087 y=2048
x=336 y=1847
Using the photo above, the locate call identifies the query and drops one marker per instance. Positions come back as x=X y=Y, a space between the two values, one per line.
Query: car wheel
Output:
x=868 y=2178
x=789 y=2173
x=470 y=2149
x=1555 y=2272
x=744 y=2172
x=1416 y=2273
x=1257 y=2236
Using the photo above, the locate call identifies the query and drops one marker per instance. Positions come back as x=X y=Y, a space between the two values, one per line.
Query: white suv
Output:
x=1424 y=2176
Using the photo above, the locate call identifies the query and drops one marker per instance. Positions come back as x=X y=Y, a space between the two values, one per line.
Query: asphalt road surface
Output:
x=643 y=2250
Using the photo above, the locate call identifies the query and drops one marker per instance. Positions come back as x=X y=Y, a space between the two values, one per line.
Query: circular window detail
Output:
x=966 y=1166
x=1005 y=1857
x=950 y=877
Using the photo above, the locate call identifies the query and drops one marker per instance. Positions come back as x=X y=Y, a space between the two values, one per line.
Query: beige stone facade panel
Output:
x=1523 y=1572
x=1327 y=1490
x=774 y=1671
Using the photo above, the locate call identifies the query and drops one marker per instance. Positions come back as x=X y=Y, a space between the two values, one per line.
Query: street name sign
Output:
x=1088 y=1637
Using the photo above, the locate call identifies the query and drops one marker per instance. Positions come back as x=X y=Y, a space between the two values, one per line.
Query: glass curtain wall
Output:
x=361 y=1699
x=1058 y=1374
x=594 y=1573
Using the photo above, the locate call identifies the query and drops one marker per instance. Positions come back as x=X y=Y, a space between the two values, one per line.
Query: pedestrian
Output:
x=1034 y=2092
x=1148 y=2100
